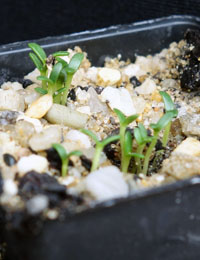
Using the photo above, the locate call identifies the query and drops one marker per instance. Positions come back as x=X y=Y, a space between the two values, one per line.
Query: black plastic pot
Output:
x=159 y=223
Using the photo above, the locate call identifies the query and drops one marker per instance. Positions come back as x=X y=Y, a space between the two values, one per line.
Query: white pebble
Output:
x=190 y=146
x=84 y=110
x=32 y=162
x=33 y=76
x=44 y=140
x=147 y=87
x=37 y=204
x=10 y=187
x=106 y=183
x=92 y=74
x=11 y=85
x=35 y=122
x=77 y=136
x=120 y=99
x=133 y=70
x=11 y=100
x=108 y=76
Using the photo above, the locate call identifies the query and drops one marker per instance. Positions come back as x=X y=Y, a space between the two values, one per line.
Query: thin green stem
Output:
x=166 y=134
x=67 y=85
x=97 y=155
x=122 y=141
x=126 y=162
x=138 y=160
x=149 y=151
x=44 y=83
x=64 y=168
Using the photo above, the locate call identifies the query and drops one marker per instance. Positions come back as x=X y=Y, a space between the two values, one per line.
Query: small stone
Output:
x=108 y=76
x=32 y=162
x=40 y=107
x=95 y=104
x=181 y=165
x=120 y=99
x=133 y=70
x=11 y=100
x=10 y=188
x=190 y=146
x=147 y=87
x=37 y=204
x=8 y=117
x=106 y=183
x=44 y=140
x=77 y=136
x=9 y=159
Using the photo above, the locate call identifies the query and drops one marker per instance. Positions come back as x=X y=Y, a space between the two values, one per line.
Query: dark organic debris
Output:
x=190 y=74
x=33 y=183
x=99 y=89
x=26 y=83
x=54 y=158
x=9 y=159
x=111 y=150
x=135 y=81
x=86 y=162
x=72 y=94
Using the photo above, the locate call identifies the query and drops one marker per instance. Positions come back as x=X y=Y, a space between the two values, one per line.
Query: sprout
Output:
x=99 y=146
x=64 y=156
x=39 y=59
x=142 y=138
x=124 y=122
x=70 y=69
x=161 y=124
x=128 y=151
x=59 y=81
x=169 y=106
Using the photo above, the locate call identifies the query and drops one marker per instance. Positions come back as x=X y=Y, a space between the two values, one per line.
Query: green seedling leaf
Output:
x=36 y=61
x=70 y=70
x=137 y=155
x=60 y=150
x=138 y=137
x=76 y=152
x=75 y=61
x=128 y=143
x=91 y=134
x=44 y=78
x=144 y=134
x=120 y=115
x=130 y=119
x=38 y=51
x=41 y=91
x=164 y=120
x=56 y=72
x=169 y=104
x=59 y=91
x=60 y=53
x=64 y=63
x=110 y=139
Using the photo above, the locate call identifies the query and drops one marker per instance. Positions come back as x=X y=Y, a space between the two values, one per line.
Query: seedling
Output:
x=161 y=124
x=64 y=156
x=70 y=70
x=124 y=122
x=59 y=81
x=99 y=146
x=128 y=151
x=169 y=106
x=142 y=138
